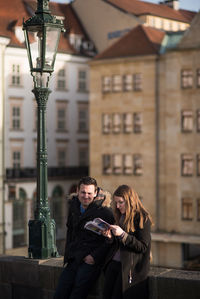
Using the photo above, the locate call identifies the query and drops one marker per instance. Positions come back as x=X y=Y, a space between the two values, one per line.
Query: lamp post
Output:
x=42 y=34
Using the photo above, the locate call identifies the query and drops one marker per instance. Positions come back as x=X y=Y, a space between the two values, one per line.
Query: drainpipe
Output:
x=3 y=43
x=157 y=124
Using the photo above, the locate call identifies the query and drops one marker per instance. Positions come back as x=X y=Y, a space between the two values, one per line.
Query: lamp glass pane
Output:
x=35 y=38
x=52 y=39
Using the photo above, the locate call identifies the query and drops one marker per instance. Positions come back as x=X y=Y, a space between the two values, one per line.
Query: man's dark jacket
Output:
x=81 y=242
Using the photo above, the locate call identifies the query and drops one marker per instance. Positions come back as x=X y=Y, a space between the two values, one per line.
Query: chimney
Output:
x=171 y=3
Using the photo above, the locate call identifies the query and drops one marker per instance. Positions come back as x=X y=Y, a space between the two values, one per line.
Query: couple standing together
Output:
x=122 y=252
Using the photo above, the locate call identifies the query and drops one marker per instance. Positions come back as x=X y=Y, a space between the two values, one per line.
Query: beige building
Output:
x=108 y=20
x=145 y=132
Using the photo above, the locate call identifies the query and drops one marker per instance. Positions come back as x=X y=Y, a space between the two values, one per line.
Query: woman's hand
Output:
x=116 y=230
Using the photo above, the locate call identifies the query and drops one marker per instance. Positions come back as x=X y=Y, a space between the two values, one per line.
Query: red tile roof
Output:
x=12 y=15
x=139 y=8
x=141 y=40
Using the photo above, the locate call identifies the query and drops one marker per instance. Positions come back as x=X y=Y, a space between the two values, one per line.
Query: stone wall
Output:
x=22 y=278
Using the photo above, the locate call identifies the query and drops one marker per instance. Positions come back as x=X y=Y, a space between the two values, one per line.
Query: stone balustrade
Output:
x=23 y=278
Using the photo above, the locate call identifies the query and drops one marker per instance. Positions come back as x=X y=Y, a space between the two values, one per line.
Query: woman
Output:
x=127 y=270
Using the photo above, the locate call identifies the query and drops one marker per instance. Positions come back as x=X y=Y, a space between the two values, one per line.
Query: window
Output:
x=16 y=158
x=117 y=83
x=117 y=163
x=198 y=164
x=128 y=122
x=15 y=75
x=56 y=206
x=138 y=167
x=16 y=121
x=11 y=192
x=187 y=165
x=82 y=80
x=198 y=209
x=198 y=77
x=128 y=164
x=19 y=219
x=116 y=123
x=187 y=121
x=61 y=80
x=107 y=123
x=137 y=122
x=106 y=84
x=83 y=155
x=61 y=116
x=16 y=113
x=107 y=168
x=137 y=82
x=127 y=82
x=186 y=78
x=83 y=118
x=187 y=209
x=198 y=120
x=61 y=157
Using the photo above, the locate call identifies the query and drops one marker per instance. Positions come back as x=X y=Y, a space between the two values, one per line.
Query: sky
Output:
x=193 y=5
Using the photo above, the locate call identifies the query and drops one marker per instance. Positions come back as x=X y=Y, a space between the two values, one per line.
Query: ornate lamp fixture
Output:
x=42 y=34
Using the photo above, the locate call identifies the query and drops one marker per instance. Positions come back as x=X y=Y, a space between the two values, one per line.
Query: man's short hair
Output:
x=87 y=180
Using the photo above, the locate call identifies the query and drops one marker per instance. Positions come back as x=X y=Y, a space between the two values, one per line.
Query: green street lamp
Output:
x=42 y=34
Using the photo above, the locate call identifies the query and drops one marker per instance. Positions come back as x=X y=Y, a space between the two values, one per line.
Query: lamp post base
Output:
x=42 y=239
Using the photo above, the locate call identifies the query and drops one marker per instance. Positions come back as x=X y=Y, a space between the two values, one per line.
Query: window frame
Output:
x=137 y=82
x=117 y=164
x=187 y=116
x=187 y=79
x=16 y=75
x=61 y=78
x=83 y=107
x=127 y=122
x=127 y=169
x=127 y=86
x=117 y=83
x=188 y=206
x=187 y=158
x=106 y=86
x=137 y=122
x=116 y=123
x=106 y=164
x=137 y=164
x=82 y=84
x=106 y=123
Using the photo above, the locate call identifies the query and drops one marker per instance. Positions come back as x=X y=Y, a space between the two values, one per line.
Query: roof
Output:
x=139 y=8
x=171 y=40
x=141 y=40
x=24 y=9
x=191 y=38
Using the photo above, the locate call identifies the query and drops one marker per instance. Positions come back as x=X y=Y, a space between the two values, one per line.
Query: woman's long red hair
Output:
x=133 y=206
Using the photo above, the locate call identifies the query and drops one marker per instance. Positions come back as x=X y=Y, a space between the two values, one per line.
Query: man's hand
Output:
x=107 y=233
x=89 y=260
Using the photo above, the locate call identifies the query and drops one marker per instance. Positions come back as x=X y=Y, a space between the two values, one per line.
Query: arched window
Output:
x=57 y=206
x=19 y=219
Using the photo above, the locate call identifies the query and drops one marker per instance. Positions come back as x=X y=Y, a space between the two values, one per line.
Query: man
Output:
x=85 y=250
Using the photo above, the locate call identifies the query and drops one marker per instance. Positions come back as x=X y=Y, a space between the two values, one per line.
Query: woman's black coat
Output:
x=134 y=254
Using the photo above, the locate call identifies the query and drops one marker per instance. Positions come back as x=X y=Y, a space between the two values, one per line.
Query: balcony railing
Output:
x=73 y=172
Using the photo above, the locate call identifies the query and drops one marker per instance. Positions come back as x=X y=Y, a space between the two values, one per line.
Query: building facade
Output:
x=144 y=118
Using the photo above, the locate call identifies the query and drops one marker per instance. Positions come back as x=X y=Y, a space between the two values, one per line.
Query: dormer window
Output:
x=75 y=40
x=19 y=34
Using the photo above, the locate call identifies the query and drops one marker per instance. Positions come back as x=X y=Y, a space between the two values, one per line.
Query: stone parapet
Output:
x=23 y=278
